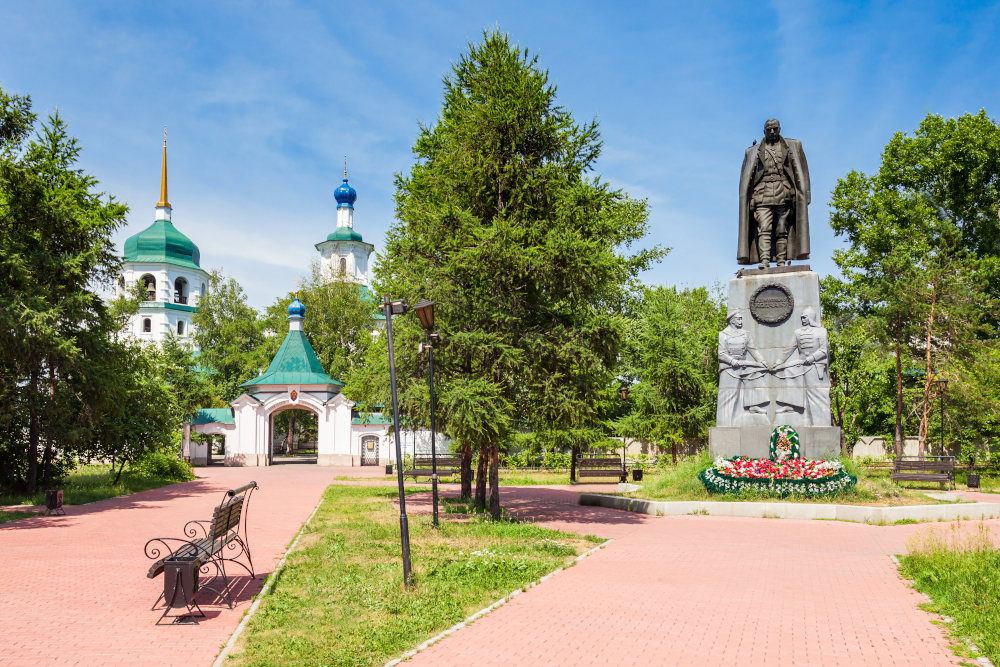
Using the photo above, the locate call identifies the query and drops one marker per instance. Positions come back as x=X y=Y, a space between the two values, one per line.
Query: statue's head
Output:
x=772 y=130
x=809 y=317
x=735 y=318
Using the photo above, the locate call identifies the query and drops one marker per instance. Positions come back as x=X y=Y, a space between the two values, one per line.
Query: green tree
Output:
x=230 y=336
x=672 y=358
x=190 y=385
x=921 y=265
x=528 y=258
x=55 y=247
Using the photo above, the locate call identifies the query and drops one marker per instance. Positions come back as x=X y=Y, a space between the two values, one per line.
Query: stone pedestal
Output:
x=815 y=442
x=780 y=313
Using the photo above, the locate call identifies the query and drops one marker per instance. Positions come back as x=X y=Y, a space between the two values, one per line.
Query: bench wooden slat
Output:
x=423 y=466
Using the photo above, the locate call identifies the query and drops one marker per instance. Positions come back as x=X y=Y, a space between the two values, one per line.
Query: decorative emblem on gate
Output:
x=294 y=395
x=771 y=303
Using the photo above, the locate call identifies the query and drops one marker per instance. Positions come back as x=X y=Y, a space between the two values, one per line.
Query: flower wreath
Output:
x=784 y=444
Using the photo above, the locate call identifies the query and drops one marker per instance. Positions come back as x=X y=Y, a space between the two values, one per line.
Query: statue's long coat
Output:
x=798 y=229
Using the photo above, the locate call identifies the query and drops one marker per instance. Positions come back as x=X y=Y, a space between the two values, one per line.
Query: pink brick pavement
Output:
x=699 y=590
x=74 y=591
x=668 y=591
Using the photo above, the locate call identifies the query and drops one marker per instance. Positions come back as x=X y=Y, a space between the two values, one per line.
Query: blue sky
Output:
x=263 y=100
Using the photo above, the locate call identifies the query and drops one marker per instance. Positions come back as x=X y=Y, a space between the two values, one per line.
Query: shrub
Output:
x=162 y=465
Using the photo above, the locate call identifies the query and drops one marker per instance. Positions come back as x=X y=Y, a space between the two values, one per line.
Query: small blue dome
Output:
x=296 y=309
x=345 y=195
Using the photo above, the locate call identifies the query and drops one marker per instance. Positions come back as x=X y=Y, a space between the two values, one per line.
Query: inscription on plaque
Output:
x=771 y=304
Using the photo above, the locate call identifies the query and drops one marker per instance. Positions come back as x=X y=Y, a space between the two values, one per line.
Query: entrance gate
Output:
x=369 y=450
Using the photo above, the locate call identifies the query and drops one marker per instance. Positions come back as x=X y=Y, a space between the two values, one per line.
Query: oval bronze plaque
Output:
x=771 y=304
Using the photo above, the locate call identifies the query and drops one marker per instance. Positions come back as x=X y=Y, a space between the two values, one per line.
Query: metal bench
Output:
x=928 y=469
x=607 y=466
x=446 y=466
x=206 y=547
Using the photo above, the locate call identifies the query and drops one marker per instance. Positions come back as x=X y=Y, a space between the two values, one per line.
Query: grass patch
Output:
x=959 y=572
x=94 y=482
x=874 y=487
x=340 y=599
x=6 y=517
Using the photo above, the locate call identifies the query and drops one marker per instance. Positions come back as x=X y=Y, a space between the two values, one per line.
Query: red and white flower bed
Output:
x=783 y=477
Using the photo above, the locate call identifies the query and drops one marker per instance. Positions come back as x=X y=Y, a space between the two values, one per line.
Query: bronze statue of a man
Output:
x=774 y=201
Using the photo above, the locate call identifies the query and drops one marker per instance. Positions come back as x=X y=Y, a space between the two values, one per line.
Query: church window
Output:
x=180 y=327
x=150 y=283
x=147 y=326
x=343 y=266
x=180 y=291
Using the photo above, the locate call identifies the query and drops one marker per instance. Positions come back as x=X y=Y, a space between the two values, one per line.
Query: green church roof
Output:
x=345 y=234
x=161 y=242
x=295 y=363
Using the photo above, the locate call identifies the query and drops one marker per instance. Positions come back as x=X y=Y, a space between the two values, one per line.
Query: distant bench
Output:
x=446 y=466
x=608 y=466
x=930 y=469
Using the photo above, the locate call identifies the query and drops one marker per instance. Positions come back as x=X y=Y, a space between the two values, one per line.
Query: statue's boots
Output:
x=764 y=250
x=781 y=247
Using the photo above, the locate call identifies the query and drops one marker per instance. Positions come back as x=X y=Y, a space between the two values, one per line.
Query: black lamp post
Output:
x=623 y=392
x=390 y=308
x=943 y=386
x=425 y=313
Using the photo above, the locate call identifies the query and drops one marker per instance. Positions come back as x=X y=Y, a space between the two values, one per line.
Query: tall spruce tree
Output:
x=55 y=250
x=528 y=258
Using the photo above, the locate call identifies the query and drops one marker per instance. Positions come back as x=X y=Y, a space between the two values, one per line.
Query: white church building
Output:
x=168 y=265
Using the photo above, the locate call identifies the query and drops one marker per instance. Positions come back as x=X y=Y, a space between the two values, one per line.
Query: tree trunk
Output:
x=673 y=450
x=574 y=455
x=466 y=472
x=495 y=481
x=48 y=453
x=925 y=409
x=291 y=435
x=481 y=467
x=120 y=468
x=33 y=432
x=897 y=439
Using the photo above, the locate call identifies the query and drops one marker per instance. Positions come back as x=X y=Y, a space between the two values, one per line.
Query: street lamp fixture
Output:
x=624 y=391
x=425 y=313
x=390 y=308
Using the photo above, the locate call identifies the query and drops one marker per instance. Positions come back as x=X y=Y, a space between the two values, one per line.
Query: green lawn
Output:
x=961 y=574
x=340 y=600
x=89 y=483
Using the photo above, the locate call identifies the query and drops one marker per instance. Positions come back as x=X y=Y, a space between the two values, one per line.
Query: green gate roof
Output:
x=295 y=363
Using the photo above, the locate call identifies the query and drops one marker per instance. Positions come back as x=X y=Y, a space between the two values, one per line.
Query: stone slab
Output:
x=795 y=268
x=815 y=442
x=857 y=513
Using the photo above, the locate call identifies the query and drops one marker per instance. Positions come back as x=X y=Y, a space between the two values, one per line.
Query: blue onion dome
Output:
x=345 y=195
x=296 y=309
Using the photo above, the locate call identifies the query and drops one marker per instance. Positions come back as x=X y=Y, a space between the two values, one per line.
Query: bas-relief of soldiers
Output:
x=743 y=396
x=805 y=387
x=774 y=201
x=800 y=380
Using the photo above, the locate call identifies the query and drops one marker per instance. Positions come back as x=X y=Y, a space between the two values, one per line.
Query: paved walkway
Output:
x=700 y=590
x=73 y=590
x=690 y=590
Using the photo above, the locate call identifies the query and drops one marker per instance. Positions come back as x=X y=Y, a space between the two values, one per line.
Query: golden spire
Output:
x=163 y=175
x=345 y=167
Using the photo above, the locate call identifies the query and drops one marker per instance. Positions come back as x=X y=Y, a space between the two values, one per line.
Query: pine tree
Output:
x=525 y=254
